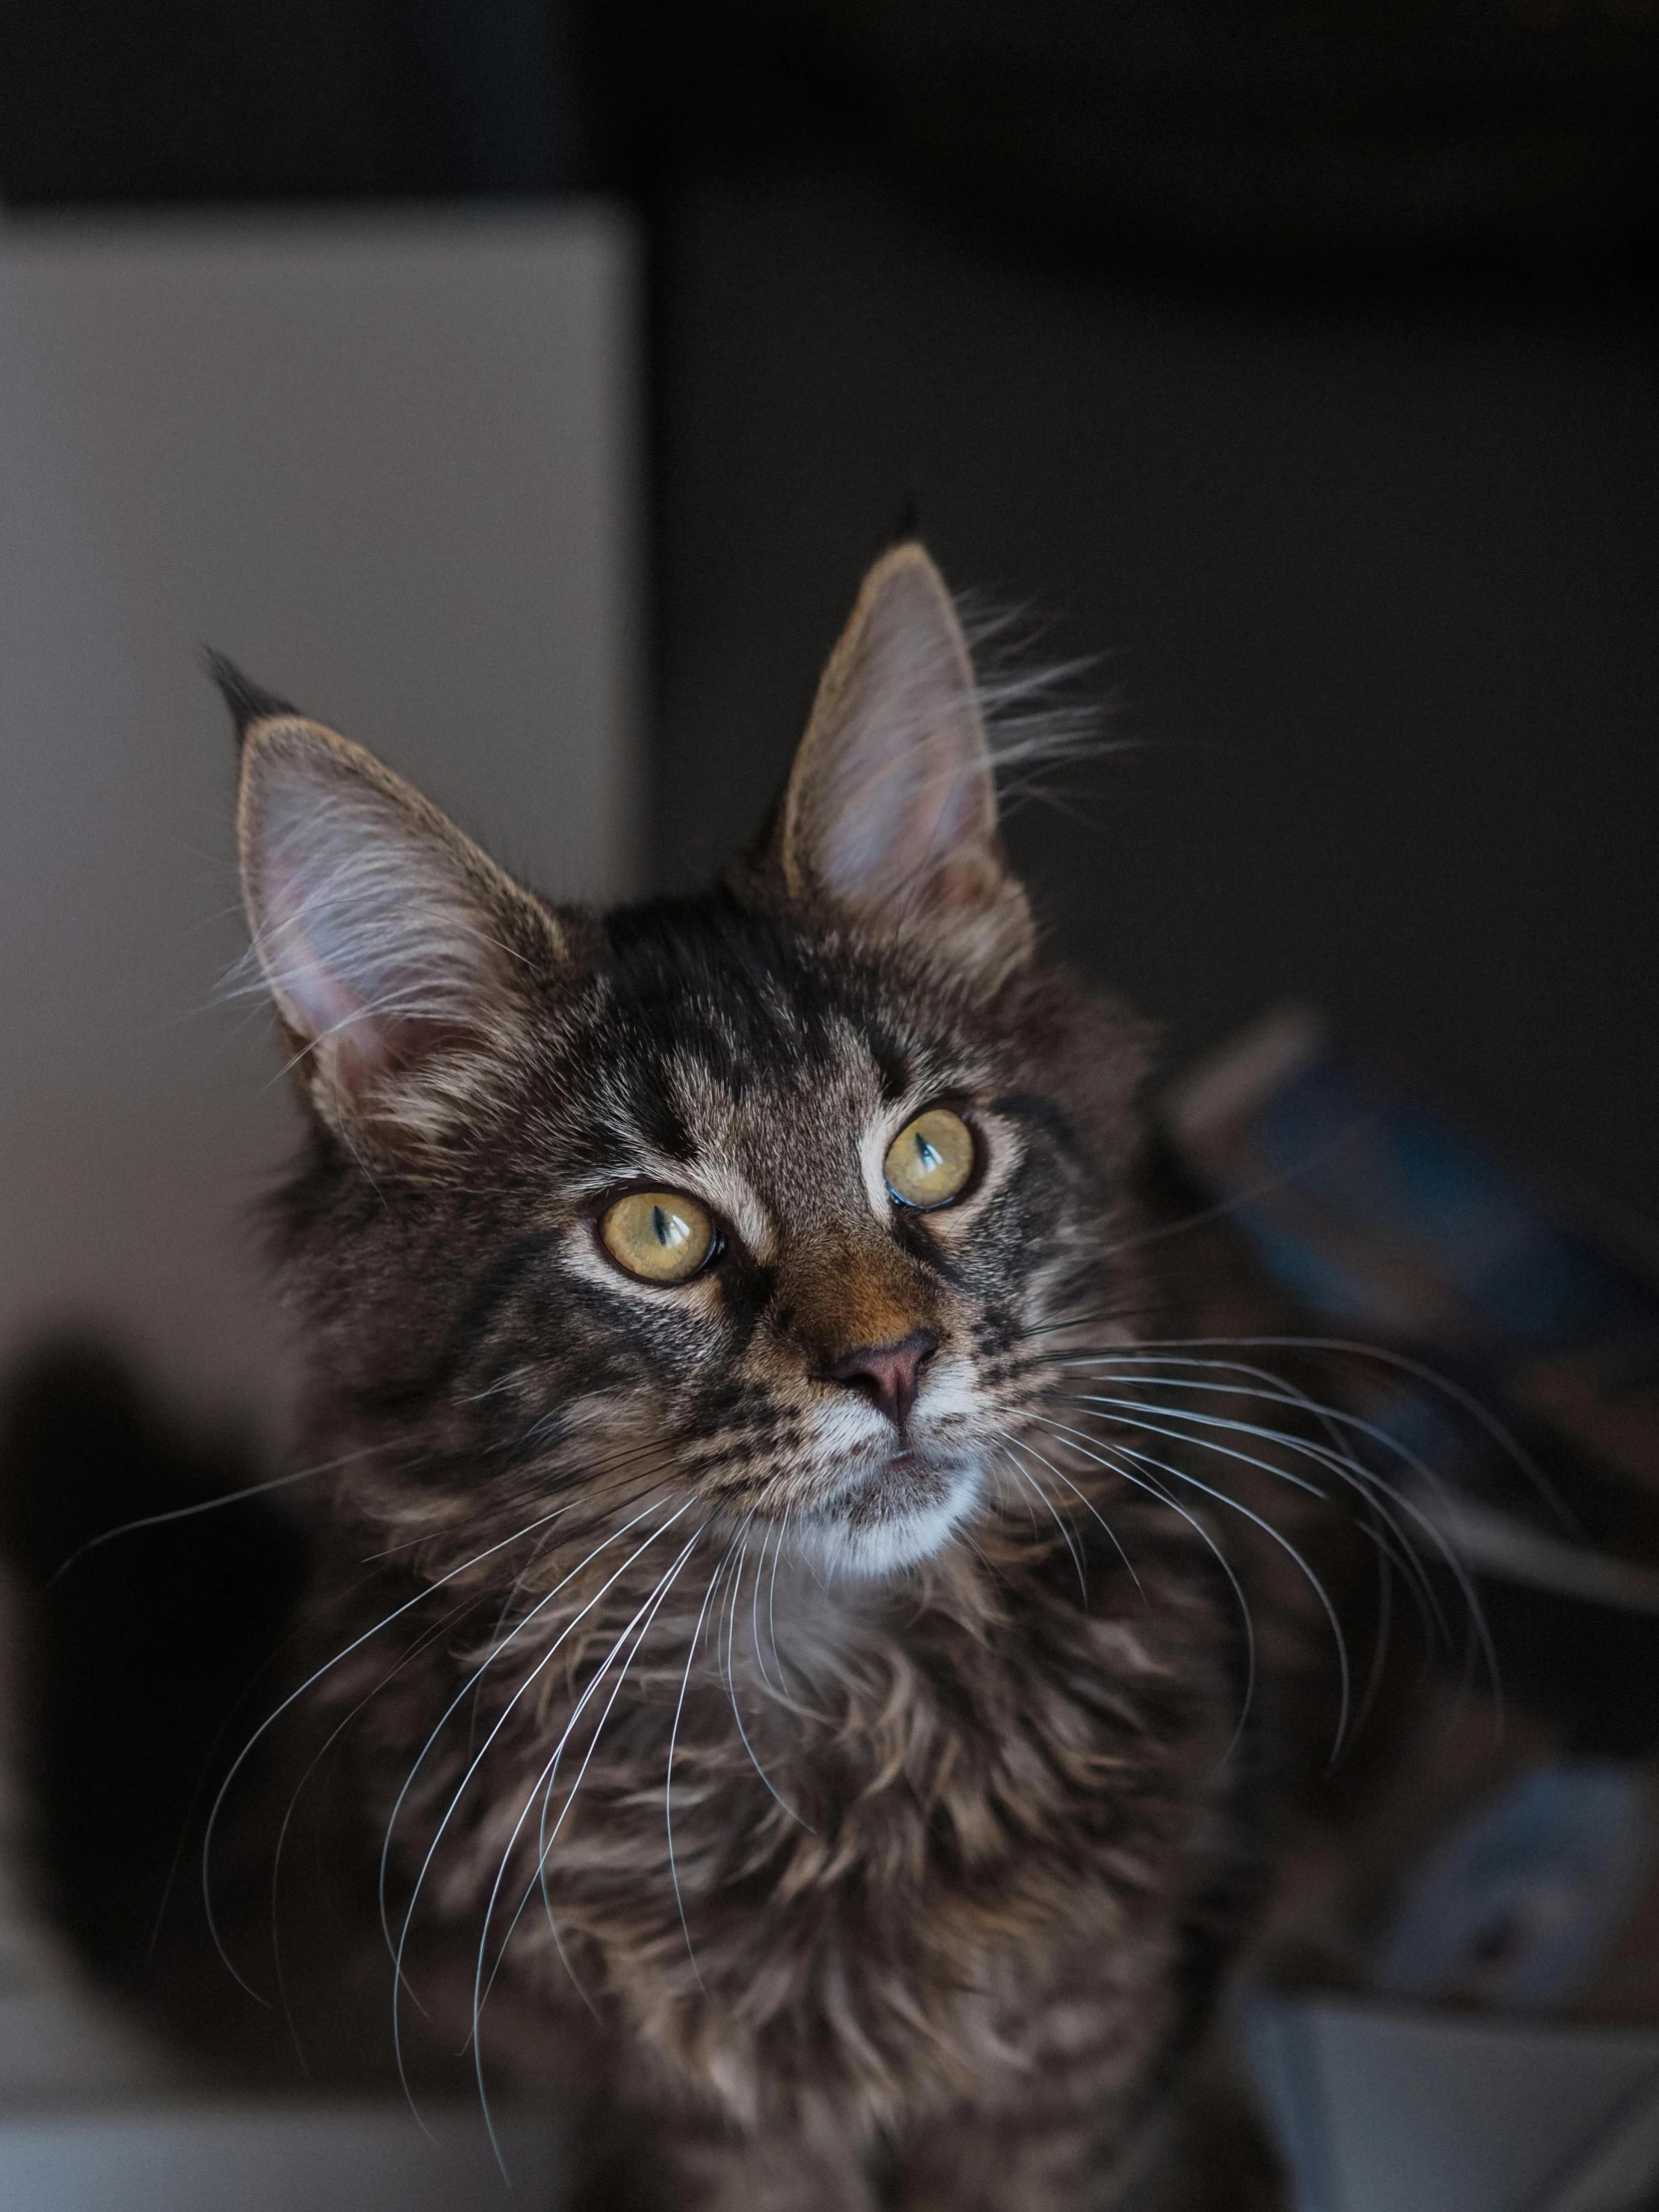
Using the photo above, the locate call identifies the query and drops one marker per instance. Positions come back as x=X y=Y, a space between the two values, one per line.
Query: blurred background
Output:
x=1295 y=359
x=1296 y=362
x=524 y=387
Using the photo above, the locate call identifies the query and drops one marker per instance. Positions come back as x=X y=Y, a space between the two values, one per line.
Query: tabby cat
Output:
x=803 y=1661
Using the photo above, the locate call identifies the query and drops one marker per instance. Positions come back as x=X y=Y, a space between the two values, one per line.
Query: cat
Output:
x=802 y=1659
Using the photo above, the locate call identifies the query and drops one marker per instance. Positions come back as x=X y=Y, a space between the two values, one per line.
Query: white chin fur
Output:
x=866 y=1549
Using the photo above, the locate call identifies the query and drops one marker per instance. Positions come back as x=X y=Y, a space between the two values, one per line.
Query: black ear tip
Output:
x=249 y=702
x=908 y=529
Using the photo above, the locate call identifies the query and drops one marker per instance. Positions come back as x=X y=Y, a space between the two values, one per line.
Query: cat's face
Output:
x=808 y=1230
x=767 y=1208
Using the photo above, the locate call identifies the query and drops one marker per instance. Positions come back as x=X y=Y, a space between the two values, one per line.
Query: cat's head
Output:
x=766 y=1207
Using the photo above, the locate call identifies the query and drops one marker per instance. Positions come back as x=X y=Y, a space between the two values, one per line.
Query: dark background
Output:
x=1299 y=361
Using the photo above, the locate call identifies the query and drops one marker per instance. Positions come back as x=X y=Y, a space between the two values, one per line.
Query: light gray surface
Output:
x=389 y=466
x=274 y=2158
x=1383 y=2110
x=1620 y=2171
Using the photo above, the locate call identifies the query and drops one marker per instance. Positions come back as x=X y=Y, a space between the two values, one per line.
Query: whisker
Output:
x=1065 y=1533
x=501 y=1722
x=1346 y=1468
x=294 y=1697
x=1155 y=1490
x=546 y=1837
x=207 y=1506
x=732 y=1690
x=589 y=1475
x=668 y=1783
x=300 y=1628
x=1394 y=1543
x=1341 y=1460
x=1090 y=1507
x=471 y=1683
x=754 y=1606
x=1386 y=1355
x=1356 y=1127
x=772 y=1616
x=1221 y=1497
x=421 y=1644
x=480 y=1987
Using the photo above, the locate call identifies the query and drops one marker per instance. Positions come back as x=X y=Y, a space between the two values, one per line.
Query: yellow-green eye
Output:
x=930 y=1159
x=658 y=1234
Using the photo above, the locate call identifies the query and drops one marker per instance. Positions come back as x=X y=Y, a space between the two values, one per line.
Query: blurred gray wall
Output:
x=390 y=464
x=1375 y=581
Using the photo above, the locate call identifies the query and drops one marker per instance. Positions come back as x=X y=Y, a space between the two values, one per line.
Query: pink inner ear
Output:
x=367 y=1040
x=315 y=1000
x=908 y=786
x=899 y=822
x=369 y=931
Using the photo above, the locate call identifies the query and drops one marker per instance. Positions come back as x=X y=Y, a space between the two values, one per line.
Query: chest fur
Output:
x=865 y=1883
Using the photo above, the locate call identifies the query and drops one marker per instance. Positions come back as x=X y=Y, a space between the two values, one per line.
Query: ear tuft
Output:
x=400 y=958
x=249 y=702
x=908 y=529
x=890 y=810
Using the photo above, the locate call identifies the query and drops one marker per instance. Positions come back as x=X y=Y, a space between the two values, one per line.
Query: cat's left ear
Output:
x=890 y=810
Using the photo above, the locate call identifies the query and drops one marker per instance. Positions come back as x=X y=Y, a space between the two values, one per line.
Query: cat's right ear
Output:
x=402 y=962
x=890 y=812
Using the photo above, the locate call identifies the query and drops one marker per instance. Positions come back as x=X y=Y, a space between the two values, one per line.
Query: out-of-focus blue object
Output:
x=1503 y=1352
x=1376 y=1208
x=1397 y=1229
x=1518 y=1905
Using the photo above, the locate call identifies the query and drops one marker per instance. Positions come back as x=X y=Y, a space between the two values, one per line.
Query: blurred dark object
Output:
x=138 y=101
x=1500 y=1410
x=1279 y=130
x=1214 y=135
x=1503 y=1348
x=146 y=1622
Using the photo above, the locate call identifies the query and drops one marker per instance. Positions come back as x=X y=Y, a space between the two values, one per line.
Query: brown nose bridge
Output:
x=842 y=1295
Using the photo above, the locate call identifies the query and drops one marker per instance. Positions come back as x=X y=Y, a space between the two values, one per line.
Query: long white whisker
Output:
x=771 y=1614
x=501 y=1721
x=1155 y=1489
x=480 y=1989
x=421 y=1644
x=732 y=1687
x=468 y=1686
x=1067 y=1536
x=1419 y=1370
x=768 y=1537
x=668 y=1782
x=546 y=1836
x=1221 y=1497
x=1340 y=1461
x=1090 y=1507
x=1346 y=1468
x=209 y=1505
x=272 y=1718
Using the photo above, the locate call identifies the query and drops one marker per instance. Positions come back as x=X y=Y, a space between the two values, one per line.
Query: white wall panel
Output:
x=389 y=465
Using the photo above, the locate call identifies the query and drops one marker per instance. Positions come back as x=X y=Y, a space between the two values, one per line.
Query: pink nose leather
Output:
x=888 y=1374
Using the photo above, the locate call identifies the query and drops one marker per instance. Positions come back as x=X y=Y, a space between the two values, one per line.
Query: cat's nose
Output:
x=888 y=1374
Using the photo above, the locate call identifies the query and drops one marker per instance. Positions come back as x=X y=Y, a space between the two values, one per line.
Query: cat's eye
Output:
x=660 y=1236
x=930 y=1159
